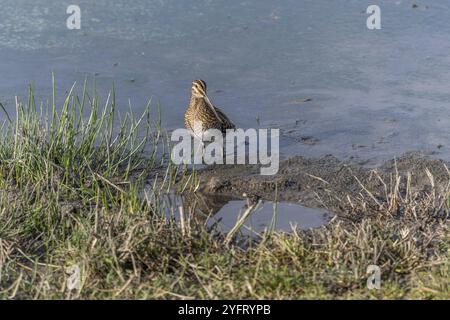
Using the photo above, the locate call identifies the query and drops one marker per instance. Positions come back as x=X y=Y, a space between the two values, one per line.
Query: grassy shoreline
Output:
x=71 y=183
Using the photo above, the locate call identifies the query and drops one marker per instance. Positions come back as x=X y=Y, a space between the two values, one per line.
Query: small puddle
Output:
x=282 y=216
x=225 y=212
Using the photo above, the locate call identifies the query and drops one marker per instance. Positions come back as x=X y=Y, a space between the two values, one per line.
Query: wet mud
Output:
x=340 y=187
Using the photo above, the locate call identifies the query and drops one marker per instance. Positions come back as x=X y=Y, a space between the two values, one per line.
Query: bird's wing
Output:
x=226 y=122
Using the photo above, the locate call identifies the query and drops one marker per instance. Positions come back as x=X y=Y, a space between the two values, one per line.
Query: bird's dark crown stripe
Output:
x=200 y=83
x=196 y=87
x=203 y=83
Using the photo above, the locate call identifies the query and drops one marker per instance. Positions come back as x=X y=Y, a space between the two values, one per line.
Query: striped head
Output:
x=198 y=89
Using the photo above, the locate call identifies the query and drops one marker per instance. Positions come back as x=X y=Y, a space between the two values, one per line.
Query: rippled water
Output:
x=375 y=93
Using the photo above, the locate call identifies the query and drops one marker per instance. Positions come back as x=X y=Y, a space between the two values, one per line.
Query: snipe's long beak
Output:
x=212 y=107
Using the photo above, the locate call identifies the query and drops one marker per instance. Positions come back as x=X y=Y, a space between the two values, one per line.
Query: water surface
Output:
x=225 y=212
x=375 y=93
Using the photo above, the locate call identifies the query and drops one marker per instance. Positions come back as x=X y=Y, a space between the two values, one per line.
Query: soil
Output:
x=326 y=182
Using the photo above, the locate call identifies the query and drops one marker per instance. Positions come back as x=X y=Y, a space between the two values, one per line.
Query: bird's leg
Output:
x=203 y=146
x=226 y=152
x=199 y=150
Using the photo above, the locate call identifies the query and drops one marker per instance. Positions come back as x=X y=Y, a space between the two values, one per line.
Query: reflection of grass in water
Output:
x=70 y=195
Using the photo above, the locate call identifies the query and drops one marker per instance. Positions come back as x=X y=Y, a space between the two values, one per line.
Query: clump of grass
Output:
x=81 y=140
x=61 y=166
x=71 y=195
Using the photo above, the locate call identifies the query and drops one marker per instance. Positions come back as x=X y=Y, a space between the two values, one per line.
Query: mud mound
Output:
x=328 y=182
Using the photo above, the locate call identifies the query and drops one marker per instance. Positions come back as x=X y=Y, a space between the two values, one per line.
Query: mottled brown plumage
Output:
x=202 y=112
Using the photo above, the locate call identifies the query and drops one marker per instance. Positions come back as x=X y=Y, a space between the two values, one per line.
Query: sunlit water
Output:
x=279 y=216
x=225 y=213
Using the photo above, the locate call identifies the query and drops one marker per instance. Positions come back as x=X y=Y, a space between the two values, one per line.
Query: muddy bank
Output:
x=340 y=187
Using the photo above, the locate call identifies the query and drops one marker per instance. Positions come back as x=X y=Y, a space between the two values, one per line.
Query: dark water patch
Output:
x=225 y=212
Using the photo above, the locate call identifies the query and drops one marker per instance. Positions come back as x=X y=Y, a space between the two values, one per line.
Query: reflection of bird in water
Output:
x=201 y=115
x=201 y=206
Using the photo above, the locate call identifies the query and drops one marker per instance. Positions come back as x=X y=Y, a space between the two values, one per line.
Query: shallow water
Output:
x=279 y=216
x=224 y=212
x=375 y=93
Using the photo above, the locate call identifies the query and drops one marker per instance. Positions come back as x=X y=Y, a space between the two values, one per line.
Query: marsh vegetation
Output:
x=71 y=194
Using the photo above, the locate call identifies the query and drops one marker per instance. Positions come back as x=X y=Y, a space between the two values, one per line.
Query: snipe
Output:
x=201 y=115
